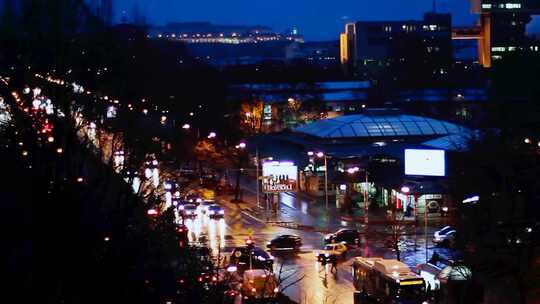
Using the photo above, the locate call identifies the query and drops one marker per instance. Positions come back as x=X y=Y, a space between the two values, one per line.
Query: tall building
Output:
x=503 y=26
x=347 y=42
x=388 y=42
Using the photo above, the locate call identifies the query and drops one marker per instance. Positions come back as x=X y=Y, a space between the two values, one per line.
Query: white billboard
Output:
x=425 y=162
x=279 y=177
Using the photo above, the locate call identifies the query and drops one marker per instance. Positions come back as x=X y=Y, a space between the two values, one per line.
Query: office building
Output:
x=388 y=43
x=502 y=28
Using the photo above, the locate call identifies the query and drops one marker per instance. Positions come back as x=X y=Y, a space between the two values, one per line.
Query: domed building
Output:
x=376 y=143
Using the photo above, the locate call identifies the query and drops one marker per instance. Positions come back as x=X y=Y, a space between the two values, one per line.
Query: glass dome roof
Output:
x=349 y=126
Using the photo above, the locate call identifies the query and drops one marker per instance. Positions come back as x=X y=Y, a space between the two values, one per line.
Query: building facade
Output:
x=502 y=28
x=386 y=43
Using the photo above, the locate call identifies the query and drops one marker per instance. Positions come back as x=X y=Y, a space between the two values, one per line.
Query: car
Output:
x=189 y=211
x=444 y=236
x=349 y=236
x=193 y=199
x=260 y=259
x=215 y=211
x=203 y=206
x=182 y=234
x=335 y=249
x=285 y=242
x=259 y=284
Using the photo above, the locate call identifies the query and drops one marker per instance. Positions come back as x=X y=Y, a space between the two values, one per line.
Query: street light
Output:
x=321 y=154
x=241 y=146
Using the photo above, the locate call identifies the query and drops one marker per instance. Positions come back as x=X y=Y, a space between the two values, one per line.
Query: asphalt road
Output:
x=315 y=285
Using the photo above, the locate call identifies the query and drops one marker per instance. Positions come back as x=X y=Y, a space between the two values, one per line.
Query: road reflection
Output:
x=207 y=231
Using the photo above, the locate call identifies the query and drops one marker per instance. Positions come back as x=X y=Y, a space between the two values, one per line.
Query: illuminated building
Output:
x=502 y=28
x=386 y=42
x=208 y=33
x=347 y=42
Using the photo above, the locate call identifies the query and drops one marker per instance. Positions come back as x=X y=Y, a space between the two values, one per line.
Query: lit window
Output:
x=486 y=5
x=498 y=49
x=513 y=5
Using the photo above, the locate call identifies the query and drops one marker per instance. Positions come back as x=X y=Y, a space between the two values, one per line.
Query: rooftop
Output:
x=369 y=126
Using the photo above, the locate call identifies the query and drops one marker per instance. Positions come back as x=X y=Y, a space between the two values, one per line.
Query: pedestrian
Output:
x=323 y=263
x=333 y=261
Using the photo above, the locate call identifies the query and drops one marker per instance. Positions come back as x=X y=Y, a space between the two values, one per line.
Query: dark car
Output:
x=260 y=259
x=285 y=242
x=189 y=211
x=215 y=211
x=348 y=236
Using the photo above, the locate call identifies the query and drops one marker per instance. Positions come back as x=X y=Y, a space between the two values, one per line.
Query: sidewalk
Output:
x=300 y=210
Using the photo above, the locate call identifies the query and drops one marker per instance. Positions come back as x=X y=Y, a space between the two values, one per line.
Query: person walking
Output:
x=323 y=263
x=333 y=261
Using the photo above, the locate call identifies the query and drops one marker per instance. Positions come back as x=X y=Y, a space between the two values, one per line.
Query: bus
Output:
x=378 y=280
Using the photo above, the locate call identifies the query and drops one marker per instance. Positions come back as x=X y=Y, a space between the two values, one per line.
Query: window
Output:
x=513 y=5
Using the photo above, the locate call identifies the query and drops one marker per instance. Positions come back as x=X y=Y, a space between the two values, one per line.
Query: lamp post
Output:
x=257 y=169
x=240 y=147
x=321 y=154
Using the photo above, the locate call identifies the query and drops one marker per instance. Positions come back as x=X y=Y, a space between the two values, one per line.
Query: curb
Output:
x=372 y=221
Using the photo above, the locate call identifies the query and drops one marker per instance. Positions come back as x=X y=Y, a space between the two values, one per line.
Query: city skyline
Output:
x=315 y=20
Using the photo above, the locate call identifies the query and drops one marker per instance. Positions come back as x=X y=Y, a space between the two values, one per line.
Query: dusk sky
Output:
x=316 y=19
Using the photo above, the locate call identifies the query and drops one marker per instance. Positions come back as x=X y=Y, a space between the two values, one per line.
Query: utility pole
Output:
x=425 y=229
x=366 y=198
x=326 y=180
x=257 y=160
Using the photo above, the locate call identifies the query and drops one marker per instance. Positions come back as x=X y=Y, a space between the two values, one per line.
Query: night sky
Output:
x=316 y=19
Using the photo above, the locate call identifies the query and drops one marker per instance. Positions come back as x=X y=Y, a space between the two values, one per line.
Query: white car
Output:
x=203 y=206
x=336 y=249
x=444 y=236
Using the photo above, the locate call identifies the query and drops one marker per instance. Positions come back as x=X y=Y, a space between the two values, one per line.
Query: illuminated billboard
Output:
x=425 y=162
x=279 y=177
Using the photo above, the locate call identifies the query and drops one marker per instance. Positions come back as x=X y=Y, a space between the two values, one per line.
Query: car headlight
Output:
x=268 y=243
x=188 y=212
x=326 y=254
x=221 y=211
x=212 y=212
x=445 y=209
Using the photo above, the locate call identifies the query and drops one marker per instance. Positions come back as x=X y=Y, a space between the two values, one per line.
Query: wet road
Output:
x=316 y=285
